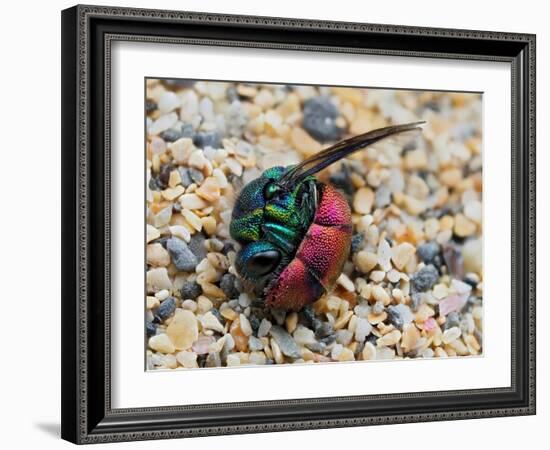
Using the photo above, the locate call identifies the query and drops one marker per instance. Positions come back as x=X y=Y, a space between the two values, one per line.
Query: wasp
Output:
x=295 y=231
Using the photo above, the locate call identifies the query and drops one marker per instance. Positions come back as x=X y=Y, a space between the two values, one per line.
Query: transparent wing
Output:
x=392 y=135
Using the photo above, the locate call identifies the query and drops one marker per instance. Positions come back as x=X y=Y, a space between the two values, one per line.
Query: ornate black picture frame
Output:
x=87 y=35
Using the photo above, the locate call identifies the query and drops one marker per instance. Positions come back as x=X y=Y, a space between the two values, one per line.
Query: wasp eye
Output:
x=271 y=190
x=262 y=263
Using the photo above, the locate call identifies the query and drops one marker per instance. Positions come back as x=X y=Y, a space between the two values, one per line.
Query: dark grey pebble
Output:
x=196 y=245
x=227 y=285
x=451 y=320
x=454 y=260
x=372 y=338
x=415 y=301
x=279 y=315
x=150 y=106
x=394 y=316
x=150 y=328
x=319 y=119
x=207 y=139
x=190 y=290
x=164 y=175
x=196 y=175
x=218 y=316
x=470 y=280
x=317 y=347
x=182 y=257
x=254 y=323
x=328 y=339
x=425 y=278
x=231 y=94
x=179 y=82
x=166 y=308
x=171 y=135
x=342 y=180
x=323 y=330
x=286 y=343
x=185 y=176
x=213 y=360
x=357 y=242
x=155 y=184
x=428 y=252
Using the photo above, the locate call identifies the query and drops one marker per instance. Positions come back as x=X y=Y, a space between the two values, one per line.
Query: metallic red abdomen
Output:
x=320 y=256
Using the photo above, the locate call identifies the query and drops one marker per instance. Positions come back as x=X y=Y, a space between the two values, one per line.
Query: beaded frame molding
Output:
x=87 y=35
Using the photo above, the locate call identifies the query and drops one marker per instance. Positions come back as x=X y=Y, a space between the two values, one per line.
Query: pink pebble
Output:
x=452 y=303
x=430 y=324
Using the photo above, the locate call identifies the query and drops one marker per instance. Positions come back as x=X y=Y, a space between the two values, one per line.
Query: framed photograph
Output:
x=280 y=224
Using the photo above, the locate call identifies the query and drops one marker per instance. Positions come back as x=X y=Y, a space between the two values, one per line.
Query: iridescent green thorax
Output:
x=279 y=220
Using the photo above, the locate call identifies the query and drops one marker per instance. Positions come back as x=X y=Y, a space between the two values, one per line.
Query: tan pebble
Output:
x=369 y=352
x=473 y=256
x=416 y=159
x=424 y=312
x=343 y=320
x=304 y=143
x=212 y=290
x=277 y=354
x=171 y=194
x=473 y=210
x=346 y=355
x=157 y=278
x=384 y=254
x=375 y=319
x=245 y=325
x=366 y=261
x=198 y=160
x=380 y=294
x=414 y=206
x=440 y=353
x=431 y=228
x=446 y=223
x=450 y=177
x=210 y=322
x=264 y=99
x=175 y=178
x=401 y=254
x=217 y=346
x=220 y=177
x=233 y=360
x=218 y=260
x=377 y=275
x=362 y=122
x=246 y=91
x=363 y=200
x=161 y=343
x=273 y=122
x=183 y=329
x=411 y=335
x=352 y=324
x=241 y=339
x=192 y=219
x=463 y=226
x=397 y=294
x=152 y=233
x=417 y=187
x=204 y=304
x=181 y=149
x=209 y=224
x=181 y=232
x=229 y=314
x=291 y=322
x=344 y=281
x=459 y=347
x=187 y=359
x=152 y=302
x=192 y=201
x=472 y=343
x=440 y=291
x=209 y=189
x=389 y=339
x=157 y=255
